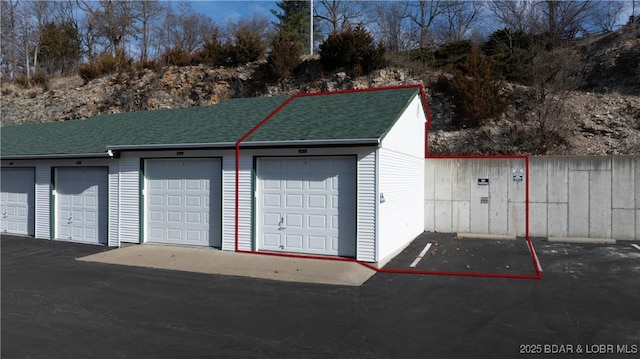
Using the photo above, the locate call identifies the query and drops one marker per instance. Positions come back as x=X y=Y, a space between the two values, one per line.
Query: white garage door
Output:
x=82 y=204
x=183 y=201
x=17 y=201
x=307 y=205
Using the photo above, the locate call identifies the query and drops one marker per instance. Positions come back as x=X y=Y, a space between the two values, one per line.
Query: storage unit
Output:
x=183 y=201
x=307 y=205
x=81 y=204
x=17 y=201
x=332 y=174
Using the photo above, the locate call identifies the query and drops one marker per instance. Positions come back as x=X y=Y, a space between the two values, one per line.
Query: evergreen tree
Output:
x=59 y=47
x=294 y=19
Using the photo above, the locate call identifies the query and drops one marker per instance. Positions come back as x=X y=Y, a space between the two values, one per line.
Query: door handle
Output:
x=69 y=221
x=280 y=227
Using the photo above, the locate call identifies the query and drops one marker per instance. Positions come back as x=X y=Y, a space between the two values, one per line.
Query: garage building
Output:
x=337 y=174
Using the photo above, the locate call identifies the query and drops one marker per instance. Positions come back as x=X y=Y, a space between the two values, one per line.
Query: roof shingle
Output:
x=333 y=116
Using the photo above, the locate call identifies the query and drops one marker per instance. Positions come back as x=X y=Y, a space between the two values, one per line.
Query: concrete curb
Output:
x=486 y=236
x=582 y=240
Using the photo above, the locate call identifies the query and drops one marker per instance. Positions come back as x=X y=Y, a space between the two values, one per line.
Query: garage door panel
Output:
x=271 y=200
x=182 y=196
x=317 y=201
x=317 y=221
x=195 y=201
x=309 y=205
x=271 y=219
x=271 y=241
x=294 y=241
x=293 y=201
x=318 y=243
x=271 y=184
x=156 y=200
x=293 y=184
x=294 y=220
x=317 y=183
x=174 y=216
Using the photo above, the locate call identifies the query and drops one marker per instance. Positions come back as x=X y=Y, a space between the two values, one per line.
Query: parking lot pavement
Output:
x=54 y=306
x=443 y=252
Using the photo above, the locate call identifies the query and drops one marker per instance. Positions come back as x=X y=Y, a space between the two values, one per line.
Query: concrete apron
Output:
x=214 y=261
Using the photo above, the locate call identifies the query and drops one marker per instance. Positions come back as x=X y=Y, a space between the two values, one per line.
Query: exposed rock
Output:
x=597 y=122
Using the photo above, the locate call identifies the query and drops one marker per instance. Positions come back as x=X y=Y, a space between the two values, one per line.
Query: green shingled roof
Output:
x=340 y=116
x=221 y=123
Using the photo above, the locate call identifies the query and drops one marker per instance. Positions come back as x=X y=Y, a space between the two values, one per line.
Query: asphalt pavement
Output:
x=585 y=305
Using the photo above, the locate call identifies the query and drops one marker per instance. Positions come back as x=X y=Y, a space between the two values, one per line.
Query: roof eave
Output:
x=55 y=156
x=313 y=143
x=253 y=144
x=171 y=146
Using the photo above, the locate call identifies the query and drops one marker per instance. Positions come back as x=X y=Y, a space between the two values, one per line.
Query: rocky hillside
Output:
x=602 y=118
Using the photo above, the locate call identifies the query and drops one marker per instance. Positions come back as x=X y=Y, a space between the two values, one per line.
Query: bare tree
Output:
x=40 y=14
x=606 y=16
x=110 y=20
x=458 y=19
x=566 y=19
x=148 y=12
x=423 y=14
x=9 y=37
x=554 y=77
x=185 y=29
x=391 y=25
x=516 y=15
x=337 y=15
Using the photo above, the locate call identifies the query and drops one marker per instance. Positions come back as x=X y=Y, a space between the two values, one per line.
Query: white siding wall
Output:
x=114 y=205
x=229 y=203
x=408 y=133
x=43 y=203
x=129 y=185
x=245 y=202
x=402 y=212
x=367 y=246
x=401 y=182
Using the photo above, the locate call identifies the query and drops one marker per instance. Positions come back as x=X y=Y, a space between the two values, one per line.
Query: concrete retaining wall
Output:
x=570 y=196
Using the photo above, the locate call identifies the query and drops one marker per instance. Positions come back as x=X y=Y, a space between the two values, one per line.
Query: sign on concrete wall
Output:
x=569 y=196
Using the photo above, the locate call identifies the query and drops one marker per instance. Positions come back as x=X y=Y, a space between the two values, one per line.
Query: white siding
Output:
x=129 y=199
x=228 y=203
x=366 y=246
x=114 y=205
x=401 y=182
x=245 y=203
x=43 y=202
x=402 y=212
x=408 y=133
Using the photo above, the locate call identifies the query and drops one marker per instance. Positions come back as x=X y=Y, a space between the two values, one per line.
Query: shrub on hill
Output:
x=285 y=54
x=476 y=89
x=353 y=50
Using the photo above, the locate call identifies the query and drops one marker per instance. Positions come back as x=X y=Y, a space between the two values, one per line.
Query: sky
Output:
x=223 y=10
